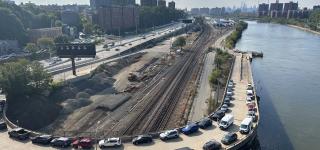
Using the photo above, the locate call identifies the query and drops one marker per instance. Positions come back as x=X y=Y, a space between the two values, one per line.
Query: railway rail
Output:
x=160 y=102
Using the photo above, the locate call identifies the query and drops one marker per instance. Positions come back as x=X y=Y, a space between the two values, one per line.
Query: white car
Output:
x=170 y=134
x=110 y=142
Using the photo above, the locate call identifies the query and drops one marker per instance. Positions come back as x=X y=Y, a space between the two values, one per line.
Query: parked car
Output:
x=61 y=142
x=251 y=110
x=229 y=93
x=141 y=139
x=227 y=98
x=218 y=115
x=229 y=138
x=41 y=139
x=226 y=122
x=170 y=134
x=19 y=133
x=250 y=93
x=226 y=103
x=82 y=142
x=3 y=125
x=110 y=142
x=224 y=108
x=205 y=123
x=230 y=85
x=190 y=128
x=246 y=126
x=212 y=145
x=253 y=116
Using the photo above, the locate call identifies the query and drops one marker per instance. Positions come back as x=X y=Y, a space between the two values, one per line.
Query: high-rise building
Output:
x=103 y=3
x=115 y=19
x=150 y=3
x=217 y=11
x=276 y=9
x=172 y=5
x=290 y=10
x=195 y=11
x=263 y=9
x=317 y=7
x=162 y=3
x=204 y=11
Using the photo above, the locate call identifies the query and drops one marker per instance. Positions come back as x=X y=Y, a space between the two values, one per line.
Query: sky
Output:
x=188 y=3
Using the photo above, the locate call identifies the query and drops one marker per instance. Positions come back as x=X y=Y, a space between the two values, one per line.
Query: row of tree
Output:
x=16 y=20
x=232 y=39
x=313 y=21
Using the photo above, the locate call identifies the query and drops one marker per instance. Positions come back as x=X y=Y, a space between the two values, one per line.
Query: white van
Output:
x=226 y=122
x=246 y=126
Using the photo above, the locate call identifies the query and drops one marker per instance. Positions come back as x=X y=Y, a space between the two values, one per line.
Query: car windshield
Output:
x=243 y=126
x=223 y=122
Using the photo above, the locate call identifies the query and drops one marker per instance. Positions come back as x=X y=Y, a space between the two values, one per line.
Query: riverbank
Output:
x=304 y=29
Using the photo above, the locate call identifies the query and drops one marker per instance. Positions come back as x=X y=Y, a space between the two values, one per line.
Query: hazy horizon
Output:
x=187 y=3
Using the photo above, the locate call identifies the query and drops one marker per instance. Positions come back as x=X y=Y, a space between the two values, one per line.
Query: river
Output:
x=287 y=80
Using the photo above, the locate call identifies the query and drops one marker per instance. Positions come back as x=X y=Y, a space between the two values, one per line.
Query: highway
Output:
x=116 y=50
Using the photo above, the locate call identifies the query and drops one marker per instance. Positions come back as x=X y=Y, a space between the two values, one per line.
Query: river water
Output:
x=288 y=82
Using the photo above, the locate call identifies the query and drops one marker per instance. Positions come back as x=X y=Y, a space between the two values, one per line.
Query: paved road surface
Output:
x=199 y=108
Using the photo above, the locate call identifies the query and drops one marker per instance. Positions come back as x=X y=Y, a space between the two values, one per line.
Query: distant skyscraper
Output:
x=150 y=3
x=172 y=5
x=263 y=9
x=195 y=11
x=290 y=10
x=276 y=9
x=102 y=3
x=204 y=11
x=316 y=7
x=162 y=3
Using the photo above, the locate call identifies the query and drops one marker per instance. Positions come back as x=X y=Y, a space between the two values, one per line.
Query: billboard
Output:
x=80 y=50
x=187 y=21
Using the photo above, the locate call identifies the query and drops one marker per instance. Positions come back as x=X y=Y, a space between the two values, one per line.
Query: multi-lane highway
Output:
x=120 y=46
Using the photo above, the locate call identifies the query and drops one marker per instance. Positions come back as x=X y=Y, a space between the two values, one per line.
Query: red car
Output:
x=84 y=143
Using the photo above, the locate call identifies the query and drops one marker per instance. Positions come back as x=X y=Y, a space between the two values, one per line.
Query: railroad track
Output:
x=161 y=101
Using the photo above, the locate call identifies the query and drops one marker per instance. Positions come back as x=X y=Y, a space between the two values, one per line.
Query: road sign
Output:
x=87 y=50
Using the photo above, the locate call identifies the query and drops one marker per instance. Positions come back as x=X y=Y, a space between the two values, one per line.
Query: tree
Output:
x=213 y=78
x=11 y=27
x=45 y=43
x=62 y=39
x=31 y=48
x=179 y=42
x=23 y=78
x=58 y=23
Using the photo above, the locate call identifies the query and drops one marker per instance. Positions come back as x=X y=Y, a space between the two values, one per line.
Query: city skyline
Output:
x=189 y=3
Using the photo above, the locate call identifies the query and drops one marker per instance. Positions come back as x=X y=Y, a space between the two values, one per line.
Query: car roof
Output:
x=227 y=117
x=17 y=129
x=45 y=135
x=63 y=138
x=246 y=121
x=113 y=139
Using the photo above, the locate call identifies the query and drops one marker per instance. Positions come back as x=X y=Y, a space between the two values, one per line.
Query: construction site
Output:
x=146 y=92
